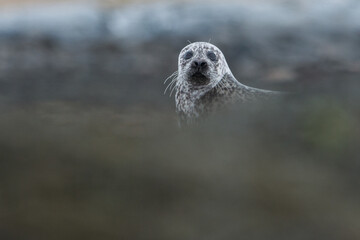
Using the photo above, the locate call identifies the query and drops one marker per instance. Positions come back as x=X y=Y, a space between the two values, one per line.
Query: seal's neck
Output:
x=193 y=92
x=229 y=80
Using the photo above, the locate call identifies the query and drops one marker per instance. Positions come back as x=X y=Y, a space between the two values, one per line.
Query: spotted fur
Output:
x=195 y=101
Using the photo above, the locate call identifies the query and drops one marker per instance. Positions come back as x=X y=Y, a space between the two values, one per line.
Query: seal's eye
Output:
x=212 y=56
x=188 y=55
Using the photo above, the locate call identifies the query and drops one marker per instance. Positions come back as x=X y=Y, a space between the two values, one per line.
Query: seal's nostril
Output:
x=199 y=64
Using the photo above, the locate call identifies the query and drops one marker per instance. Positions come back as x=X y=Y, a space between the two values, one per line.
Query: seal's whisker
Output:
x=189 y=41
x=169 y=85
x=171 y=76
x=174 y=78
x=173 y=84
x=172 y=87
x=172 y=90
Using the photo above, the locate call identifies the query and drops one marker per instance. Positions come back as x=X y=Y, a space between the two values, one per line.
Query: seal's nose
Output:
x=199 y=64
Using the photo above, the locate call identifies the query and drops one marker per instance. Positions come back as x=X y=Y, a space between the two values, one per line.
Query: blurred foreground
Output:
x=90 y=148
x=288 y=170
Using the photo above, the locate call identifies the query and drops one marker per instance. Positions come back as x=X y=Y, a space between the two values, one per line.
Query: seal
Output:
x=204 y=83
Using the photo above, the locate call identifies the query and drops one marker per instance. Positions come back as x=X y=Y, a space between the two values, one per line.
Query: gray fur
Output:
x=195 y=101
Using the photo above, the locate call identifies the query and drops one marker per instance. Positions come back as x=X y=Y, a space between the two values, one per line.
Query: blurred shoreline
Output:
x=81 y=52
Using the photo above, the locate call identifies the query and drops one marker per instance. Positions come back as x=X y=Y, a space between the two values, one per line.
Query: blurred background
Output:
x=89 y=144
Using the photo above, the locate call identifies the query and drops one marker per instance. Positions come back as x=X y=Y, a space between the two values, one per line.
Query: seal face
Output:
x=204 y=82
x=200 y=64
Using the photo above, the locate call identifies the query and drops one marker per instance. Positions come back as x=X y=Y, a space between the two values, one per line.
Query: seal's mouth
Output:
x=198 y=79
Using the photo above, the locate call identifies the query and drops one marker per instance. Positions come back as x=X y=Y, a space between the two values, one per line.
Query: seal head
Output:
x=201 y=64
